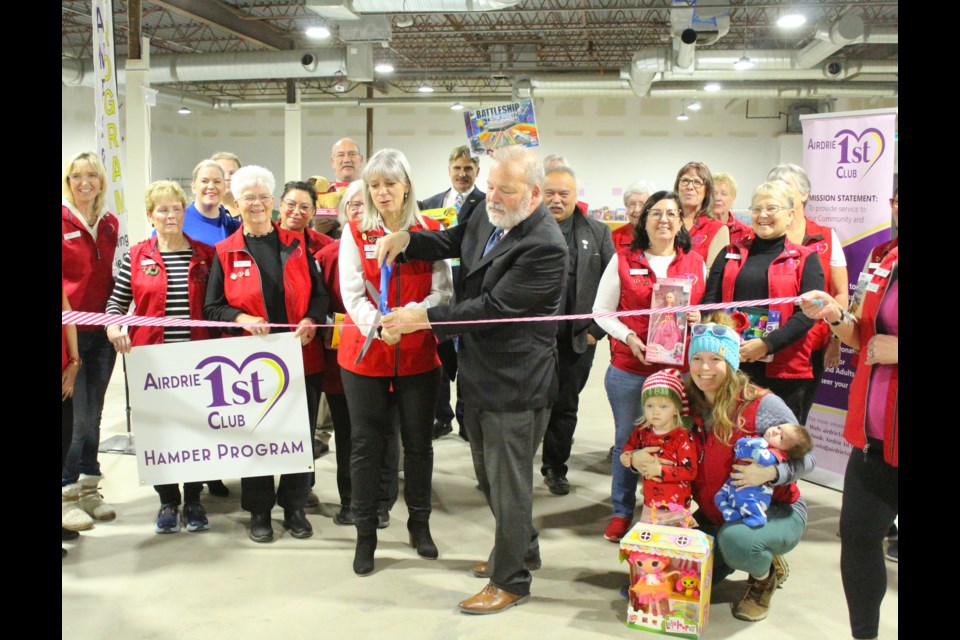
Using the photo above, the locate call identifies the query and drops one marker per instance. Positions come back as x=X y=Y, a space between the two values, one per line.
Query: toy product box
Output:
x=670 y=572
x=667 y=332
x=756 y=322
x=332 y=338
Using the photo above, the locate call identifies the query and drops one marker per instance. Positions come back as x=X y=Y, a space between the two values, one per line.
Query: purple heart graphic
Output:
x=872 y=133
x=271 y=360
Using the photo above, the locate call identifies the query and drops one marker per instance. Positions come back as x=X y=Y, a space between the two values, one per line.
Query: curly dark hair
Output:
x=641 y=241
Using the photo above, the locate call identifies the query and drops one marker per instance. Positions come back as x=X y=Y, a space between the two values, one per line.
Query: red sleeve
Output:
x=635 y=441
x=682 y=450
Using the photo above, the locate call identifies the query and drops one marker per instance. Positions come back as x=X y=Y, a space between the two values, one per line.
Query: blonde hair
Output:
x=388 y=164
x=779 y=190
x=91 y=160
x=226 y=155
x=163 y=189
x=725 y=178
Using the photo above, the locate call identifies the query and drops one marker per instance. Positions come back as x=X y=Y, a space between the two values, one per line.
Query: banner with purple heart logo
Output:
x=219 y=409
x=850 y=160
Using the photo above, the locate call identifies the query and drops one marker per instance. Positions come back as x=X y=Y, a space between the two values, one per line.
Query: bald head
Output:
x=346 y=160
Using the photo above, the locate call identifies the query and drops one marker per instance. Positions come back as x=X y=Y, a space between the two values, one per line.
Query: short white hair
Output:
x=640 y=186
x=251 y=176
x=533 y=168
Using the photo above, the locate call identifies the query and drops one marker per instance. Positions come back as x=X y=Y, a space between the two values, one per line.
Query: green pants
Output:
x=739 y=547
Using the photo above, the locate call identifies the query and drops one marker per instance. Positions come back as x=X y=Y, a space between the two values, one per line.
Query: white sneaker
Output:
x=73 y=517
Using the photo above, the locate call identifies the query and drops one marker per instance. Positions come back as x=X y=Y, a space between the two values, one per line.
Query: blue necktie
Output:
x=492 y=242
x=458 y=203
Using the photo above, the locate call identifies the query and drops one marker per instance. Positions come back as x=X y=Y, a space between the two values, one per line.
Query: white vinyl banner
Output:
x=107 y=125
x=228 y=408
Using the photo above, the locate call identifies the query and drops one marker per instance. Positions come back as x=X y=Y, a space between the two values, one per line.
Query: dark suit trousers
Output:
x=574 y=371
x=371 y=418
x=503 y=445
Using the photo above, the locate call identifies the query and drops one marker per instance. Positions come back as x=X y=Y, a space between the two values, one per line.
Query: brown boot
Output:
x=782 y=569
x=756 y=601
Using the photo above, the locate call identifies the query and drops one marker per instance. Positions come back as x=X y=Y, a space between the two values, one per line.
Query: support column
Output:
x=292 y=135
x=139 y=98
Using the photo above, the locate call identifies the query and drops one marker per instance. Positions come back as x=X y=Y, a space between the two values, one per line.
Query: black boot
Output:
x=363 y=557
x=421 y=540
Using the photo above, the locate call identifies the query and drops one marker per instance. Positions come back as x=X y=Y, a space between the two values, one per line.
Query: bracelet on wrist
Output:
x=76 y=361
x=843 y=314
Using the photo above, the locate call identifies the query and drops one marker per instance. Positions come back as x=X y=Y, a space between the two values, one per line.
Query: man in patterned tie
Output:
x=463 y=197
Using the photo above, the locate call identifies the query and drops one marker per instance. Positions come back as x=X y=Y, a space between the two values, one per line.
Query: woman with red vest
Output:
x=634 y=197
x=660 y=249
x=377 y=375
x=88 y=243
x=165 y=276
x=265 y=274
x=298 y=204
x=728 y=406
x=708 y=236
x=724 y=195
x=771 y=266
x=871 y=484
x=351 y=208
x=825 y=352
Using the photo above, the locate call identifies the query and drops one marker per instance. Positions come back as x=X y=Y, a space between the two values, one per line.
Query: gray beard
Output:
x=511 y=217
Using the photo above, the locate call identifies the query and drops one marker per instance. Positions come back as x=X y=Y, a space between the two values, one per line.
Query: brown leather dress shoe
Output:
x=491 y=600
x=482 y=570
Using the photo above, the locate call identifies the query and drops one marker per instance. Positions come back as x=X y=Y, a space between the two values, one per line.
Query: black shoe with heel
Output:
x=363 y=557
x=421 y=540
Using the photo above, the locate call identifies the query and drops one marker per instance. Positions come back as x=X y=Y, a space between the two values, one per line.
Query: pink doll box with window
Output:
x=670 y=572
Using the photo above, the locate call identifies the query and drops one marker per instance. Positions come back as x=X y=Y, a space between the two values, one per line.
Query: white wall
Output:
x=609 y=142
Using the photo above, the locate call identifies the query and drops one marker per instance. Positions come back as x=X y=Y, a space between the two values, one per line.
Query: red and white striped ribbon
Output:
x=87 y=318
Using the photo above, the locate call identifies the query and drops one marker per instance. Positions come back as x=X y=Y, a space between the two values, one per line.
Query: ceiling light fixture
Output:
x=184 y=111
x=317 y=32
x=383 y=67
x=683 y=117
x=425 y=88
x=694 y=106
x=457 y=106
x=744 y=63
x=712 y=87
x=791 y=20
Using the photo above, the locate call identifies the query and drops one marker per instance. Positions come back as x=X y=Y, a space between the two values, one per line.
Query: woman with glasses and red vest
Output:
x=660 y=249
x=871 y=484
x=165 y=276
x=694 y=185
x=771 y=266
x=727 y=406
x=265 y=274
x=378 y=376
x=824 y=347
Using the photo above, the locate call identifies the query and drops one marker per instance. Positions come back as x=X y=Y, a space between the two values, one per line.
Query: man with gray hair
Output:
x=347 y=161
x=590 y=248
x=513 y=265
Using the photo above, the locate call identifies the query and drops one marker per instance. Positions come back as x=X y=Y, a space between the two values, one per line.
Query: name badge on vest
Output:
x=71 y=235
x=242 y=263
x=873 y=287
x=638 y=272
x=370 y=251
x=732 y=256
x=872 y=266
x=883 y=273
x=145 y=261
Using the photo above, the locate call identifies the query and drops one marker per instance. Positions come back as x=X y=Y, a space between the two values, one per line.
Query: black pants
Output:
x=574 y=371
x=871 y=496
x=811 y=387
x=370 y=399
x=259 y=494
x=790 y=390
x=170 y=493
x=389 y=484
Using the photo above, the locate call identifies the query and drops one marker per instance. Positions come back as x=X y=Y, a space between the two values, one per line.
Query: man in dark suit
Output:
x=513 y=265
x=590 y=248
x=463 y=197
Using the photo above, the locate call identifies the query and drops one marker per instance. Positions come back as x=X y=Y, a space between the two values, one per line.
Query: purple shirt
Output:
x=888 y=318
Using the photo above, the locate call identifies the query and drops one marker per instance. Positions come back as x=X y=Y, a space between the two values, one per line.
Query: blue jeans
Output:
x=624 y=391
x=98 y=357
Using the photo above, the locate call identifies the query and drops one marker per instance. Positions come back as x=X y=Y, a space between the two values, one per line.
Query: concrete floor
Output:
x=123 y=581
